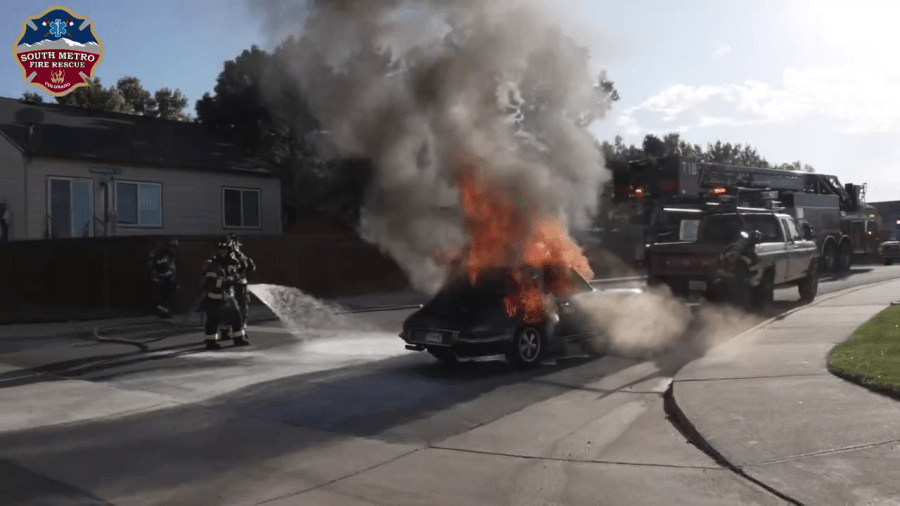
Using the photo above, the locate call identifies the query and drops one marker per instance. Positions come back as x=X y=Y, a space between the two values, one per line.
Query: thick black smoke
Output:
x=493 y=78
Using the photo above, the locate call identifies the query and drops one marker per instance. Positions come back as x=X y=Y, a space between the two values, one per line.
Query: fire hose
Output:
x=143 y=343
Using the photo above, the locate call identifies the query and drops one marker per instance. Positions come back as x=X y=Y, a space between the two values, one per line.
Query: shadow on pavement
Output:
x=401 y=400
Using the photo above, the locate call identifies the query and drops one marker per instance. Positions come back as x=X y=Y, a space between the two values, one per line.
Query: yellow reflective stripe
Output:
x=746 y=259
x=215 y=296
x=239 y=333
x=212 y=337
x=211 y=275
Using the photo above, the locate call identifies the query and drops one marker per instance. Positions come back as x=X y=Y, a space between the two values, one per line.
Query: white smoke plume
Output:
x=638 y=325
x=494 y=78
x=655 y=325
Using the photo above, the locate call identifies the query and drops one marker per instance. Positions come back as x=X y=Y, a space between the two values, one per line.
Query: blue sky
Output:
x=814 y=80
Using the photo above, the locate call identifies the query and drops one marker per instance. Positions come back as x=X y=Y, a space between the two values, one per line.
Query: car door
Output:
x=771 y=249
x=797 y=252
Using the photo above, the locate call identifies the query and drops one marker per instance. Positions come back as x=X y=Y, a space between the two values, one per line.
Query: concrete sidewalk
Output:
x=766 y=404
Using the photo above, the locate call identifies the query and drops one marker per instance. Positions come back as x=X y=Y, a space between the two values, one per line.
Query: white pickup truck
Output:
x=787 y=257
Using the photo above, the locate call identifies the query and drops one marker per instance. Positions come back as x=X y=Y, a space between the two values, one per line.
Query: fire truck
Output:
x=669 y=193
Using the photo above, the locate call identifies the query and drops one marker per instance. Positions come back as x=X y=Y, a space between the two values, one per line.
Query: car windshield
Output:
x=493 y=286
x=726 y=228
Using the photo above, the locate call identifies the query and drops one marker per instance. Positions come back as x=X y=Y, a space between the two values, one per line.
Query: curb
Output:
x=697 y=439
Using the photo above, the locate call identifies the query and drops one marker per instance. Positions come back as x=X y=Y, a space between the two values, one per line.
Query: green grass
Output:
x=872 y=355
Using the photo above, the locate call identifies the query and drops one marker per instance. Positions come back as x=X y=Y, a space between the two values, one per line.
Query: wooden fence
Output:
x=111 y=273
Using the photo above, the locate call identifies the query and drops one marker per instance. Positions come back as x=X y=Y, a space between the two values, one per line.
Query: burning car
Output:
x=469 y=320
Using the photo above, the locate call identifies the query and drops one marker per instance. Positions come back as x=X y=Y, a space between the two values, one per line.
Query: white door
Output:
x=70 y=207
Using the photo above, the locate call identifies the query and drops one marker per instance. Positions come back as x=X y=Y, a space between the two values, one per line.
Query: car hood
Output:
x=460 y=318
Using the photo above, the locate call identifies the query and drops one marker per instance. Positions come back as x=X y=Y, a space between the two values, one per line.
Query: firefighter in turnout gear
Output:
x=739 y=265
x=245 y=265
x=162 y=269
x=219 y=304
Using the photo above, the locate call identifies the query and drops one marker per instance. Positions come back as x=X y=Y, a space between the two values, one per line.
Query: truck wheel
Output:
x=844 y=258
x=527 y=348
x=809 y=285
x=828 y=257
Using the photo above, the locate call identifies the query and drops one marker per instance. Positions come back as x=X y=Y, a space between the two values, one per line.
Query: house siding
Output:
x=12 y=186
x=191 y=199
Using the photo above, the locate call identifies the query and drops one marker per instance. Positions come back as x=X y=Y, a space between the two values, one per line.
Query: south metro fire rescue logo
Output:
x=60 y=49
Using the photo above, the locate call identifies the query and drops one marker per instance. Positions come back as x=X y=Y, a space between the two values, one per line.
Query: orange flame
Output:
x=58 y=76
x=508 y=232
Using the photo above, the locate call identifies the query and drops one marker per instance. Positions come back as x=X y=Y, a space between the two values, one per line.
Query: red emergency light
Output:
x=721 y=191
x=639 y=192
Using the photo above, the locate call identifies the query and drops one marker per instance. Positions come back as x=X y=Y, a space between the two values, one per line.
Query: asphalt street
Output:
x=349 y=417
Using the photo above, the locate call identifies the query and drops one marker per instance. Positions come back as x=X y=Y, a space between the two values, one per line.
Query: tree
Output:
x=673 y=144
x=130 y=97
x=654 y=147
x=30 y=96
x=236 y=111
x=137 y=99
x=170 y=104
x=95 y=96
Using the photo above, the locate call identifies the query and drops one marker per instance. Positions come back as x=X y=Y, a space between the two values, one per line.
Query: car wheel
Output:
x=809 y=285
x=527 y=348
x=844 y=258
x=828 y=257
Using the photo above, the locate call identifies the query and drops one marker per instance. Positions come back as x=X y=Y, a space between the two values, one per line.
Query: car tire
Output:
x=829 y=256
x=809 y=285
x=527 y=348
x=844 y=258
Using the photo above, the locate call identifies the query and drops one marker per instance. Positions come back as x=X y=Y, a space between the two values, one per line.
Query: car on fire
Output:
x=466 y=322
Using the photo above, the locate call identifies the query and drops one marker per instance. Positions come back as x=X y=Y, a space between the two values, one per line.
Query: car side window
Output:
x=792 y=231
x=770 y=229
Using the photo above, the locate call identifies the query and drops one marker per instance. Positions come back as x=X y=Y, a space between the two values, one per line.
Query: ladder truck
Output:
x=678 y=188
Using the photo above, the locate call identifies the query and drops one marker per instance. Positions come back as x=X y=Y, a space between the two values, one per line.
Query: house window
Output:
x=240 y=208
x=138 y=204
x=70 y=207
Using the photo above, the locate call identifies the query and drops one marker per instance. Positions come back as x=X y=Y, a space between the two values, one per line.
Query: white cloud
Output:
x=722 y=49
x=862 y=100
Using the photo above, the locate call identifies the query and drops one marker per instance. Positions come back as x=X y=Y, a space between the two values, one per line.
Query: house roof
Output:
x=115 y=138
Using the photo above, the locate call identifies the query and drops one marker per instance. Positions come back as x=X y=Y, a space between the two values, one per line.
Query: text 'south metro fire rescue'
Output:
x=59 y=49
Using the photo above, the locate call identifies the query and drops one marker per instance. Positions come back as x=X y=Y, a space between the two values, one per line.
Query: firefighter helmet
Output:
x=233 y=239
x=224 y=247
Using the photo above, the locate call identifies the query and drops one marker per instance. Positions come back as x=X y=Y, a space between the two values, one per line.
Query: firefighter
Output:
x=740 y=265
x=219 y=304
x=162 y=269
x=245 y=266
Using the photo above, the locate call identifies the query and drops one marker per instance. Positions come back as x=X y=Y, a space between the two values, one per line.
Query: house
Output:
x=72 y=172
